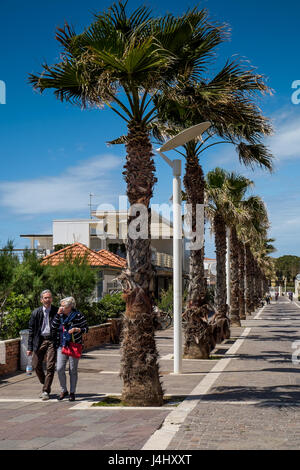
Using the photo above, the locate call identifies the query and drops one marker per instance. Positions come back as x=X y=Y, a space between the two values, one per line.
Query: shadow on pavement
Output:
x=266 y=396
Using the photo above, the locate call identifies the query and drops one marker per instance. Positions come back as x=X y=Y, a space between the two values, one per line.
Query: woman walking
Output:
x=69 y=325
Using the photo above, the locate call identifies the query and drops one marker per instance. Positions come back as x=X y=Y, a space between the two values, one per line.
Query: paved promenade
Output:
x=247 y=399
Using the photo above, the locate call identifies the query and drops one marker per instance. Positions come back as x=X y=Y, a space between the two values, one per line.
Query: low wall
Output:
x=96 y=336
x=12 y=356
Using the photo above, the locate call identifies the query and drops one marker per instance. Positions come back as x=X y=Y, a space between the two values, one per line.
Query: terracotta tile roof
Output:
x=112 y=257
x=94 y=258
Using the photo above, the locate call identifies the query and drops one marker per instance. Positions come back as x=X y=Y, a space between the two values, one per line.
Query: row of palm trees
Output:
x=240 y=226
x=155 y=73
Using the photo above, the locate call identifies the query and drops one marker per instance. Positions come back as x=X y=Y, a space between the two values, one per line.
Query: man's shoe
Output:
x=63 y=395
x=72 y=397
x=45 y=396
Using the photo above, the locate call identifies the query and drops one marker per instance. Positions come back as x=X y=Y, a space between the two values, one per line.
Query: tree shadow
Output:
x=271 y=396
x=282 y=370
x=274 y=338
x=90 y=397
x=269 y=356
x=280 y=331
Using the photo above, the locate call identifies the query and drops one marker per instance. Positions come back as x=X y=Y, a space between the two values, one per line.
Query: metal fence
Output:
x=20 y=252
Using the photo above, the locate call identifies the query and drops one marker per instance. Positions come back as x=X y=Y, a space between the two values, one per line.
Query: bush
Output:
x=73 y=277
x=211 y=294
x=16 y=318
x=30 y=278
x=92 y=313
x=165 y=303
x=112 y=305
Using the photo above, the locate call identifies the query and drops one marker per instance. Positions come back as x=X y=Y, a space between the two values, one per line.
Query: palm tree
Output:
x=123 y=62
x=242 y=273
x=254 y=230
x=227 y=101
x=264 y=266
x=117 y=53
x=224 y=191
x=234 y=119
x=267 y=265
x=252 y=227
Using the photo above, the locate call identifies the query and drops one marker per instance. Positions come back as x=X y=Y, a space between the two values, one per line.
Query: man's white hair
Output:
x=46 y=291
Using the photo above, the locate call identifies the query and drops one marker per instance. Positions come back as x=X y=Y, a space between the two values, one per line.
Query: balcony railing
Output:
x=163 y=260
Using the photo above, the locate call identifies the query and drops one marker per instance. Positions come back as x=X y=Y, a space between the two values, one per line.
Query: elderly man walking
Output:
x=42 y=342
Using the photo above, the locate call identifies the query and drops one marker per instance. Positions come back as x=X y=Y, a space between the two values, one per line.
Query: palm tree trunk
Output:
x=253 y=283
x=249 y=280
x=220 y=320
x=198 y=334
x=234 y=268
x=256 y=283
x=139 y=363
x=241 y=258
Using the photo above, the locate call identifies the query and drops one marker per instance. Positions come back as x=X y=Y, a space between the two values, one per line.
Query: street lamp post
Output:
x=180 y=139
x=228 y=280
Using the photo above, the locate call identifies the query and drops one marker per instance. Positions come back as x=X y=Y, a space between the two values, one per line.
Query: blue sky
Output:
x=54 y=154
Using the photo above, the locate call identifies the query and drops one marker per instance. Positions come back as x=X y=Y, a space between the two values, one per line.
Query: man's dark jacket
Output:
x=35 y=325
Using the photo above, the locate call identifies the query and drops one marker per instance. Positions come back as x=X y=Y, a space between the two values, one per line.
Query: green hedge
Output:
x=16 y=318
x=110 y=306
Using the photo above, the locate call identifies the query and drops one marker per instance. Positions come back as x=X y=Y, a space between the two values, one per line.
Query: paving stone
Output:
x=263 y=372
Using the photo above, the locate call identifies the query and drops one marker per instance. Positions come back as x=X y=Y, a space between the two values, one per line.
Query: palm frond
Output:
x=255 y=154
x=191 y=39
x=224 y=195
x=67 y=79
x=117 y=17
x=120 y=140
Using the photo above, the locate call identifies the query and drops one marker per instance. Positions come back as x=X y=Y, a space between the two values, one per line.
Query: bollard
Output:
x=2 y=352
x=23 y=349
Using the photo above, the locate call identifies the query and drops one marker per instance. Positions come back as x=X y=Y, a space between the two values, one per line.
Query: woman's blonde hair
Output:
x=69 y=301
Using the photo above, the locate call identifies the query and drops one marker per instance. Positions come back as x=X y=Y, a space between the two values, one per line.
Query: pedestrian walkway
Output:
x=245 y=398
x=255 y=402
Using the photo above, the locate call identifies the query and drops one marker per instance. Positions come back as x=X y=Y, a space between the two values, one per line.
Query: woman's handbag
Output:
x=72 y=349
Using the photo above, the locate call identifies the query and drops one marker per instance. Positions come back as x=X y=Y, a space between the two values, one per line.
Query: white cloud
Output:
x=285 y=222
x=67 y=192
x=285 y=144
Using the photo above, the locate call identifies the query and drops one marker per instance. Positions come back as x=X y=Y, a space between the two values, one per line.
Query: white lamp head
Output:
x=185 y=136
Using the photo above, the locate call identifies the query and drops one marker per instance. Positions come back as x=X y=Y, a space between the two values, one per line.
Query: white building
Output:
x=210 y=270
x=108 y=230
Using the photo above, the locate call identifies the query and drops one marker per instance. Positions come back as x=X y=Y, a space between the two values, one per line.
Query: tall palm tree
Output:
x=117 y=53
x=267 y=265
x=253 y=227
x=242 y=273
x=227 y=101
x=261 y=248
x=237 y=121
x=123 y=61
x=223 y=191
x=253 y=230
